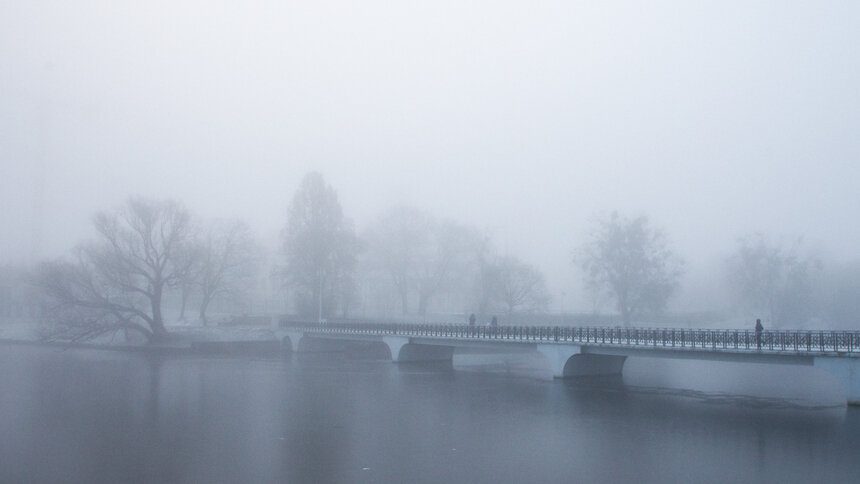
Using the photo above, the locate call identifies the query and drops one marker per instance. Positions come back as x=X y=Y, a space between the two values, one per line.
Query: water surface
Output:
x=102 y=416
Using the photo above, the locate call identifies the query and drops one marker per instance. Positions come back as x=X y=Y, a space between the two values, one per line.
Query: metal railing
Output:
x=795 y=341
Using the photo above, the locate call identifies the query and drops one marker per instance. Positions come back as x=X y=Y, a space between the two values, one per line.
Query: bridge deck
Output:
x=801 y=343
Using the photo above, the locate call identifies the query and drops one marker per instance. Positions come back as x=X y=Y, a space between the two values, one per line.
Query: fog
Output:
x=526 y=120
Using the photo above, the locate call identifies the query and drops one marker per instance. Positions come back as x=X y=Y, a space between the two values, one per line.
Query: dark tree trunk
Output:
x=159 y=332
x=184 y=303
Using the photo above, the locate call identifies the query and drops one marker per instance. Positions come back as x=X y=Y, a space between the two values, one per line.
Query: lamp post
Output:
x=319 y=298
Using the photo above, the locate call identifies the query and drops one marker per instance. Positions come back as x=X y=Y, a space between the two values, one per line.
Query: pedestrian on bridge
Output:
x=758 y=330
x=495 y=322
x=472 y=319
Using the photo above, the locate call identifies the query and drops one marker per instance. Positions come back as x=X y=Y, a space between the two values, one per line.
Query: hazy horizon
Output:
x=526 y=120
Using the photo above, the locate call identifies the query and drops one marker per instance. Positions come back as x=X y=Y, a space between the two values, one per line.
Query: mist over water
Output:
x=176 y=173
x=94 y=416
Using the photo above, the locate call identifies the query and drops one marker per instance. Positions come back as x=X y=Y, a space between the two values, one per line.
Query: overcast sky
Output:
x=526 y=118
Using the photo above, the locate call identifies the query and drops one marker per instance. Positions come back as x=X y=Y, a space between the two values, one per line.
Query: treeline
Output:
x=406 y=264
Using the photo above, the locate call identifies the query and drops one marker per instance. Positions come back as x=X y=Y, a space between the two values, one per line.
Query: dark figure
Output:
x=758 y=330
x=472 y=319
x=494 y=322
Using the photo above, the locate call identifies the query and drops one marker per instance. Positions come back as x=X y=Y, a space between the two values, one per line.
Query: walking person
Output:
x=472 y=319
x=758 y=330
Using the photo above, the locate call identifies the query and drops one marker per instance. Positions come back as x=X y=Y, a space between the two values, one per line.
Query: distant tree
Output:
x=422 y=256
x=117 y=282
x=843 y=298
x=395 y=242
x=774 y=281
x=320 y=247
x=520 y=286
x=444 y=260
x=632 y=263
x=228 y=261
x=486 y=276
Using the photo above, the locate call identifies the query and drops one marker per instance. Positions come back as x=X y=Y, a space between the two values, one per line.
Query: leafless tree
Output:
x=774 y=280
x=228 y=261
x=422 y=256
x=520 y=286
x=445 y=259
x=632 y=262
x=395 y=243
x=117 y=282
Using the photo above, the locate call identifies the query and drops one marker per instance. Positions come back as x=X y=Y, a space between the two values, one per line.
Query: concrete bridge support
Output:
x=395 y=345
x=557 y=355
x=290 y=340
x=590 y=365
x=846 y=371
x=402 y=350
x=568 y=360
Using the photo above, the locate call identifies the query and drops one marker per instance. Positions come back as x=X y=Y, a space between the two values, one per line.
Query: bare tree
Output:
x=118 y=281
x=631 y=262
x=395 y=242
x=520 y=286
x=774 y=280
x=445 y=259
x=843 y=298
x=320 y=248
x=228 y=261
x=188 y=262
x=422 y=256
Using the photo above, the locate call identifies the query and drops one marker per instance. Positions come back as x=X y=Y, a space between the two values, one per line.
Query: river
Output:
x=94 y=416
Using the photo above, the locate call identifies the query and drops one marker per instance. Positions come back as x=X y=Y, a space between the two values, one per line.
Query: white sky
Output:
x=527 y=118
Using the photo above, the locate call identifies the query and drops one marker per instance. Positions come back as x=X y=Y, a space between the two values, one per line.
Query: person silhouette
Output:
x=758 y=330
x=472 y=319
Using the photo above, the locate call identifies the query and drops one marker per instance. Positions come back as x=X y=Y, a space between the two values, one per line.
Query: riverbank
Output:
x=181 y=340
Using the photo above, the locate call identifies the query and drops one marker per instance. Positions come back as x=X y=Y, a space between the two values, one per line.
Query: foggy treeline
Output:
x=153 y=263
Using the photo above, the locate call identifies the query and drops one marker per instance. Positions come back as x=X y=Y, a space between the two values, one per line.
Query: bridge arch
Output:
x=290 y=342
x=592 y=365
x=402 y=349
x=847 y=373
x=569 y=361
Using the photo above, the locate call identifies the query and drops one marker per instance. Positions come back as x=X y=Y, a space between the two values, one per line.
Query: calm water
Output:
x=98 y=416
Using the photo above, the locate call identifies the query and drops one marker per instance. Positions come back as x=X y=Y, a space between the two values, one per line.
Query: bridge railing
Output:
x=695 y=339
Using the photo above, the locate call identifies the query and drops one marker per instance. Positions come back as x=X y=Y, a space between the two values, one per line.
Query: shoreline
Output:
x=261 y=347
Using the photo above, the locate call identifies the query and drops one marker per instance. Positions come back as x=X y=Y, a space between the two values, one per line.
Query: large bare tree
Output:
x=117 y=281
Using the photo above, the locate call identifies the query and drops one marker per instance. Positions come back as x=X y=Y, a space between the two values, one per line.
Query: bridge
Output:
x=582 y=351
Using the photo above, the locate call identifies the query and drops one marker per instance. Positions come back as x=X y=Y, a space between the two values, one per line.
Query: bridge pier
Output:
x=395 y=345
x=568 y=360
x=403 y=350
x=846 y=371
x=557 y=355
x=290 y=339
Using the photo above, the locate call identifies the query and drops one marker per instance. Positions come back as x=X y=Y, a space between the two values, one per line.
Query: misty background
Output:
x=527 y=121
